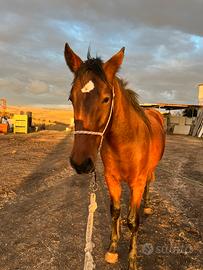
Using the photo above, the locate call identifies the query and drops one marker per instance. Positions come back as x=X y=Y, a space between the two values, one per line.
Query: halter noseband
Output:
x=86 y=132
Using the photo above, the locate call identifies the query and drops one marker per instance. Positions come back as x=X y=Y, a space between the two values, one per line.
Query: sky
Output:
x=163 y=40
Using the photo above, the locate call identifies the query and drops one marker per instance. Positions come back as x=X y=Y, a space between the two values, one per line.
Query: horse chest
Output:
x=126 y=164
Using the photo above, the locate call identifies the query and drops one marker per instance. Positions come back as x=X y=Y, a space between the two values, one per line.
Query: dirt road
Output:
x=43 y=208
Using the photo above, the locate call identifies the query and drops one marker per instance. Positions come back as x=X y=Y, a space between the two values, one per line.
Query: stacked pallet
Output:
x=198 y=125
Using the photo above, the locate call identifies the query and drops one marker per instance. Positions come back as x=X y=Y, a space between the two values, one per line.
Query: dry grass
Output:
x=45 y=115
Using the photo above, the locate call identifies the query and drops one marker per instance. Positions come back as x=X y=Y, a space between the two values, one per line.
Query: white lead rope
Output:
x=89 y=262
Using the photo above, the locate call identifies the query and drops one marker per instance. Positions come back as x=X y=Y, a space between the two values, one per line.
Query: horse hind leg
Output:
x=147 y=203
x=111 y=255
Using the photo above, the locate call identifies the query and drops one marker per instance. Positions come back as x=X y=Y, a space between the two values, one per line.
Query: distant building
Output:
x=200 y=95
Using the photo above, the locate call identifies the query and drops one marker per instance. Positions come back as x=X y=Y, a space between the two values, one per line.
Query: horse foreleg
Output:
x=133 y=225
x=115 y=192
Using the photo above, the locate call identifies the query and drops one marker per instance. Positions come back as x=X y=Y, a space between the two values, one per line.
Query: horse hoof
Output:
x=148 y=211
x=111 y=257
x=124 y=222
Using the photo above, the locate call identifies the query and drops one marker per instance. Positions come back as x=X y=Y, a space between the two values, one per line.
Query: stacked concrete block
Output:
x=181 y=129
x=174 y=119
x=181 y=124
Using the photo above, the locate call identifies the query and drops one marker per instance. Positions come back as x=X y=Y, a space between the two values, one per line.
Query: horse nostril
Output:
x=72 y=163
x=86 y=166
x=89 y=164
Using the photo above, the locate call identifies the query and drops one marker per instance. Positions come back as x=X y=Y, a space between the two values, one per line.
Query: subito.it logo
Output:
x=147 y=249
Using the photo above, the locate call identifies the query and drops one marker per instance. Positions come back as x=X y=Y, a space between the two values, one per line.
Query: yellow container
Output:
x=20 y=123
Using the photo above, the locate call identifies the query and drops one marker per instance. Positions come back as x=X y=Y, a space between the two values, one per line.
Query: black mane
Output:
x=92 y=65
x=133 y=99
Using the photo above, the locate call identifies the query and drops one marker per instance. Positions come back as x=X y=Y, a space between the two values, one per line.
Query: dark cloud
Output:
x=163 y=40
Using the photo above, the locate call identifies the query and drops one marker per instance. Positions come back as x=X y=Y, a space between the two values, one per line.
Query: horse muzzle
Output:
x=87 y=166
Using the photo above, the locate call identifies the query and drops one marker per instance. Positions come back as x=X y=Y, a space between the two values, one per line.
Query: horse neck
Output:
x=124 y=115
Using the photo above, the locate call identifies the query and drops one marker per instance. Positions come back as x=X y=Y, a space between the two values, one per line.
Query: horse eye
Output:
x=105 y=100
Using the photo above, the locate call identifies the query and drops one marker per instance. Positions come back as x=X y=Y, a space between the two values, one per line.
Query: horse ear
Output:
x=73 y=61
x=113 y=64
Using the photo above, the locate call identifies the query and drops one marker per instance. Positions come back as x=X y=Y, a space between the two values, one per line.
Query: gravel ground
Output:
x=43 y=208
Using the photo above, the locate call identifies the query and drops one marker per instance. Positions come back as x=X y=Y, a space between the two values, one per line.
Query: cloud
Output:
x=163 y=40
x=38 y=87
x=169 y=95
x=10 y=85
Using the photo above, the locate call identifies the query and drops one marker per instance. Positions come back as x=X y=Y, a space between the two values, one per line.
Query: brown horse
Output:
x=131 y=141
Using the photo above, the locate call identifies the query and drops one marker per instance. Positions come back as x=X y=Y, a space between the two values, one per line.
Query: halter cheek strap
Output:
x=86 y=132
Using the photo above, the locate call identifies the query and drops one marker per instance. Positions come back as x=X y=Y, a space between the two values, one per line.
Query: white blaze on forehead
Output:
x=88 y=87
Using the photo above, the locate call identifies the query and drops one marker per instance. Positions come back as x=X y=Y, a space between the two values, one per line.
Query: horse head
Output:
x=92 y=96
